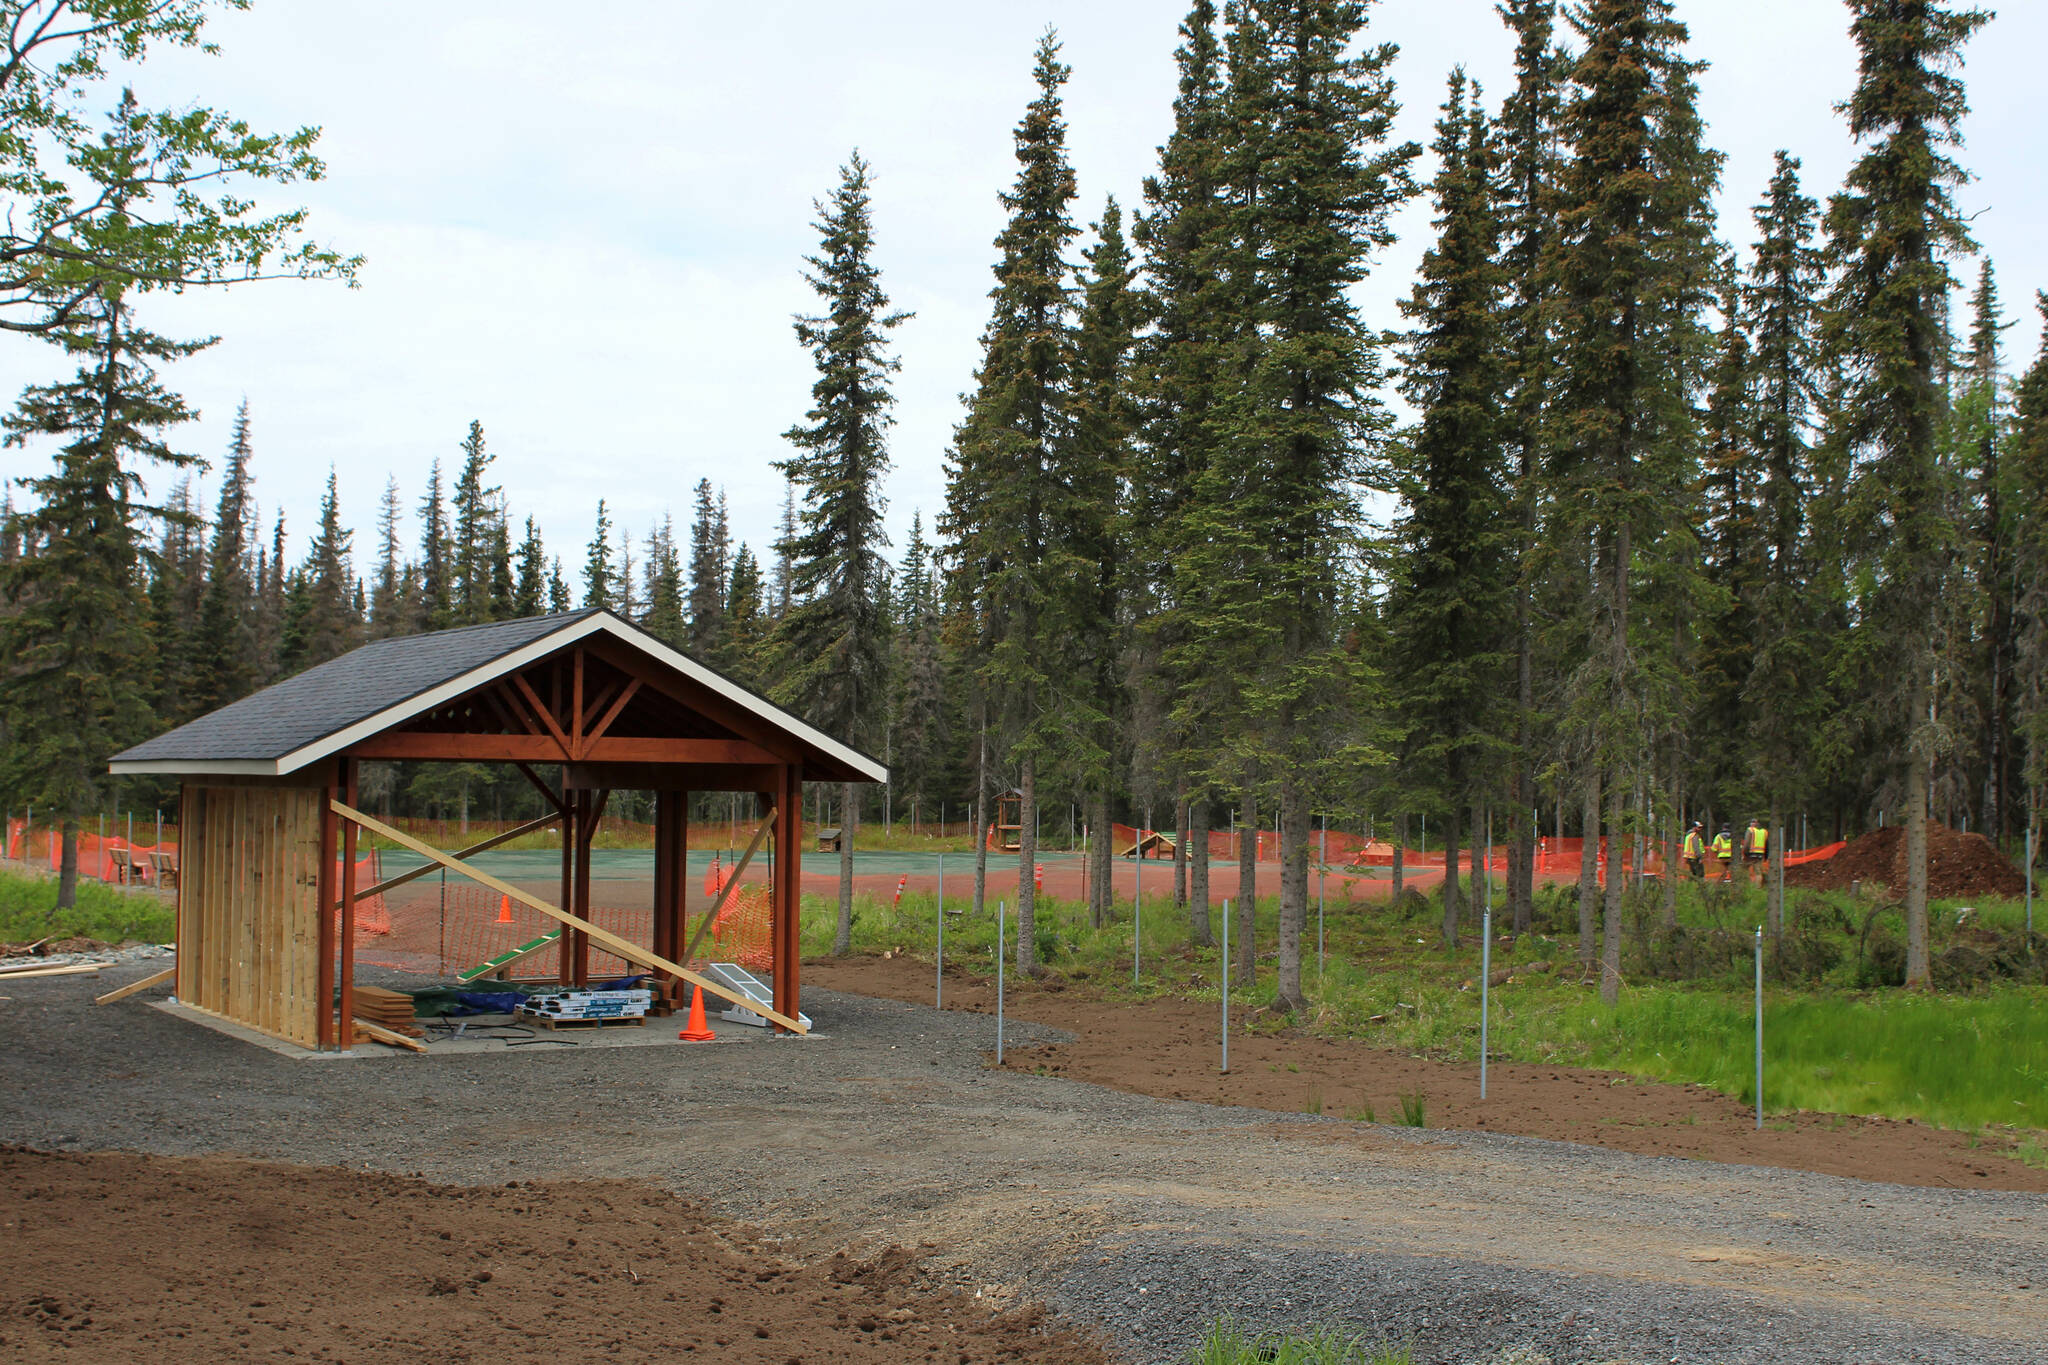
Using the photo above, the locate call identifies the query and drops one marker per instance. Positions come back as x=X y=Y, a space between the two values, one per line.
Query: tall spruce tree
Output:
x=830 y=646
x=437 y=599
x=1095 y=524
x=2025 y=465
x=78 y=653
x=1784 y=696
x=1891 y=231
x=529 y=591
x=224 y=647
x=1982 y=428
x=389 y=609
x=1313 y=181
x=1180 y=380
x=1530 y=166
x=710 y=550
x=330 y=624
x=1451 y=605
x=476 y=521
x=746 y=619
x=600 y=575
x=1633 y=264
x=1010 y=463
x=665 y=599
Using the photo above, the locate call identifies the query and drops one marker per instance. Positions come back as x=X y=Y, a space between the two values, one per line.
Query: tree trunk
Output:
x=1400 y=852
x=1180 y=857
x=1589 y=869
x=1198 y=875
x=1916 y=854
x=980 y=824
x=1452 y=838
x=1098 y=859
x=67 y=864
x=849 y=816
x=1610 y=928
x=1671 y=850
x=1522 y=860
x=1027 y=857
x=1776 y=873
x=1294 y=823
x=1247 y=888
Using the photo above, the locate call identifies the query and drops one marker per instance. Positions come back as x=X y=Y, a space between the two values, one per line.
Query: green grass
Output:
x=1228 y=1343
x=28 y=911
x=1964 y=1060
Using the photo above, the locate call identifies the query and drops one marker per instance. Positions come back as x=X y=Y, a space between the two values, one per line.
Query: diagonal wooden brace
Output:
x=624 y=948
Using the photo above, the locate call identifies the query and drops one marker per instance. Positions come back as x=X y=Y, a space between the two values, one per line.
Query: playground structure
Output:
x=271 y=890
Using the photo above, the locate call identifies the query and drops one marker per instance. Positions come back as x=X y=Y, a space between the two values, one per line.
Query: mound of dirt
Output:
x=1957 y=865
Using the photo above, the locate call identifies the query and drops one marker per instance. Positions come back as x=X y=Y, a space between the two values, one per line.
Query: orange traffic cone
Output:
x=697 y=1030
x=504 y=909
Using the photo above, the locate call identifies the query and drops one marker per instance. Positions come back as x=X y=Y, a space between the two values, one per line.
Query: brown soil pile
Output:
x=1957 y=865
x=119 y=1257
x=1169 y=1049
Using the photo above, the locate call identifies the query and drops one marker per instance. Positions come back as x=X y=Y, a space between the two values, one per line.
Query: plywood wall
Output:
x=248 y=896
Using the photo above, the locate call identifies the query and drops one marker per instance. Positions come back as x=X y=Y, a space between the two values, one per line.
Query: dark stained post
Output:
x=586 y=830
x=784 y=893
x=349 y=832
x=325 y=898
x=572 y=823
x=671 y=871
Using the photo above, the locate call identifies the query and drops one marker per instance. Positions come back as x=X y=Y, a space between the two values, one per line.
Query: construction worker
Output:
x=1756 y=842
x=1696 y=852
x=1724 y=849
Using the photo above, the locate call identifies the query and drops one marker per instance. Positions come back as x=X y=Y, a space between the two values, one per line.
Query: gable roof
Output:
x=381 y=685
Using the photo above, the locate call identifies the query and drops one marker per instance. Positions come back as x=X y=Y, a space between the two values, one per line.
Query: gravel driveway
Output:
x=1143 y=1216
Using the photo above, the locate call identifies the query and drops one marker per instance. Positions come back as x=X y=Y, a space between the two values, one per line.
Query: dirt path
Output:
x=1169 y=1049
x=1138 y=1216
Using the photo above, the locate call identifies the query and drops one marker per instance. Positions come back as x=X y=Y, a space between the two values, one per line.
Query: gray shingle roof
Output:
x=287 y=716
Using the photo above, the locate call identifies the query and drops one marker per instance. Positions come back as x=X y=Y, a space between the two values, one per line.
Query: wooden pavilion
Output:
x=269 y=822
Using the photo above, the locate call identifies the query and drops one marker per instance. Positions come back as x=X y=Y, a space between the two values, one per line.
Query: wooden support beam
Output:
x=402 y=878
x=631 y=952
x=348 y=900
x=502 y=963
x=710 y=918
x=324 y=899
x=547 y=793
x=547 y=716
x=136 y=987
x=594 y=733
x=465 y=747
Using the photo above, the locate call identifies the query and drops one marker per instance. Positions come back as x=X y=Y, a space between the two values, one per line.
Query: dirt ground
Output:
x=1170 y=1049
x=114 y=1256
x=1957 y=865
x=1135 y=1218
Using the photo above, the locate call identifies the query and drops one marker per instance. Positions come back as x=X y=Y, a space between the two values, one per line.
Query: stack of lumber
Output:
x=568 y=1006
x=388 y=1009
x=16 y=971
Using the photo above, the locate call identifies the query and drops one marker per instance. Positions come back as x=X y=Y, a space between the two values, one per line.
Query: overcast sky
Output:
x=586 y=232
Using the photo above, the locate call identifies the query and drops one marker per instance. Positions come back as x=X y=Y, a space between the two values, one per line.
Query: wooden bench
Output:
x=164 y=869
x=125 y=870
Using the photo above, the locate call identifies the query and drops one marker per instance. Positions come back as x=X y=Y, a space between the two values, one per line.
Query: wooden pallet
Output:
x=601 y=1021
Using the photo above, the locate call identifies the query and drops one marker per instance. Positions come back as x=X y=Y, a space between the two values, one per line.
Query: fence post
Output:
x=1485 y=983
x=999 y=983
x=1759 y=1028
x=939 y=984
x=1137 y=903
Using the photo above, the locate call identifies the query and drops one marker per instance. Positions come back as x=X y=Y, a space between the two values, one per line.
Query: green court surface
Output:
x=637 y=864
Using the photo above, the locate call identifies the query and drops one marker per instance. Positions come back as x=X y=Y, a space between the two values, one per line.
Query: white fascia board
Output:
x=217 y=767
x=741 y=697
x=428 y=700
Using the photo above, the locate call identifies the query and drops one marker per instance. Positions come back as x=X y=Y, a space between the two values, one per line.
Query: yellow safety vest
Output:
x=1759 y=839
x=1695 y=847
x=1724 y=847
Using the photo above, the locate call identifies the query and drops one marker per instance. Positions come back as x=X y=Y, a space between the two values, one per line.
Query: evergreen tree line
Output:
x=1687 y=529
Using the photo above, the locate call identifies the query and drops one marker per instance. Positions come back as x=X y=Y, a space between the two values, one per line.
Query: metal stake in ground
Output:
x=1485 y=982
x=1322 y=885
x=1226 y=988
x=999 y=983
x=939 y=981
x=1759 y=1028
x=2030 y=876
